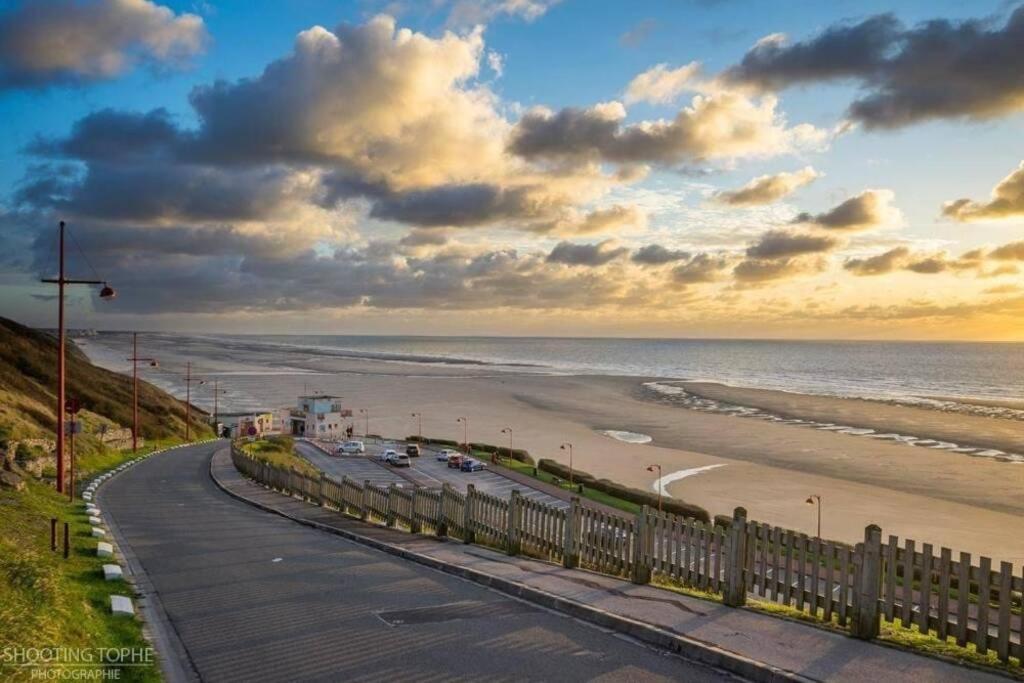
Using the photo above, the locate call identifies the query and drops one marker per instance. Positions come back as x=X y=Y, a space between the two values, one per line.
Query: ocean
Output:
x=900 y=371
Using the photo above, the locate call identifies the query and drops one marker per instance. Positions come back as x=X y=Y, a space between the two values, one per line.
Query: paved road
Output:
x=425 y=471
x=256 y=597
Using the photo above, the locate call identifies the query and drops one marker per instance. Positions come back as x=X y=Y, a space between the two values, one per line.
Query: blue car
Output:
x=471 y=465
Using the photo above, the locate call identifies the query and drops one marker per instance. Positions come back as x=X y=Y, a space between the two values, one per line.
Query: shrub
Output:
x=671 y=505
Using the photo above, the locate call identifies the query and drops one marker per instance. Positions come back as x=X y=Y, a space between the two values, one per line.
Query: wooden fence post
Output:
x=364 y=500
x=641 y=571
x=320 y=491
x=344 y=489
x=570 y=552
x=512 y=545
x=442 y=520
x=867 y=586
x=414 y=522
x=468 y=535
x=735 y=559
x=389 y=517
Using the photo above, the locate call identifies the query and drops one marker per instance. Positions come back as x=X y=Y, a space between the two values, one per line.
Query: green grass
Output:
x=907 y=638
x=547 y=477
x=280 y=452
x=47 y=601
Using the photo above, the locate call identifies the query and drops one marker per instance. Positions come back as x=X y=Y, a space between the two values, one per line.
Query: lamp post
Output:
x=508 y=430
x=815 y=499
x=419 y=426
x=657 y=468
x=568 y=447
x=188 y=398
x=106 y=292
x=135 y=388
x=465 y=432
x=217 y=391
x=366 y=428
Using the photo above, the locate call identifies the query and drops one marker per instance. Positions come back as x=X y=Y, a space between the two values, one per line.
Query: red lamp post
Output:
x=135 y=388
x=106 y=292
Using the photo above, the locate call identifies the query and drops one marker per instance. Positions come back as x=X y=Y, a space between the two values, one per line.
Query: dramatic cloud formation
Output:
x=702 y=268
x=938 y=69
x=977 y=261
x=869 y=209
x=657 y=255
x=723 y=125
x=1007 y=201
x=661 y=85
x=768 y=188
x=72 y=43
x=598 y=254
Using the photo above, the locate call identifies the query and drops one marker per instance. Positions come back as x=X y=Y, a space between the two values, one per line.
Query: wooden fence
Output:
x=950 y=596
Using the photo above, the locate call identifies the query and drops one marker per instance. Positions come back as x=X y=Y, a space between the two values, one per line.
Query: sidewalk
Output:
x=754 y=645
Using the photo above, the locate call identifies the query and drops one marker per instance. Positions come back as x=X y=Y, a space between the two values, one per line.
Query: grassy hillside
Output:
x=28 y=383
x=45 y=600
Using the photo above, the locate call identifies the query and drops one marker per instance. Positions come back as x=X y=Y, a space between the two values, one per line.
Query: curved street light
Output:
x=465 y=432
x=568 y=447
x=419 y=426
x=106 y=292
x=657 y=468
x=815 y=499
x=508 y=430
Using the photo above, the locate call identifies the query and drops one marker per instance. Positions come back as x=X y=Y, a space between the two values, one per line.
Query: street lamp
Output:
x=188 y=398
x=419 y=426
x=135 y=388
x=106 y=292
x=366 y=428
x=508 y=430
x=568 y=447
x=815 y=499
x=217 y=391
x=657 y=468
x=465 y=432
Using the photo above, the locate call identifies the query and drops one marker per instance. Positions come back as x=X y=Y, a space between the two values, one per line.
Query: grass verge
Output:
x=49 y=602
x=280 y=452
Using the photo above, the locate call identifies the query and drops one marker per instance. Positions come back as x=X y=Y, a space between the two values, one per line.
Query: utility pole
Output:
x=135 y=388
x=106 y=292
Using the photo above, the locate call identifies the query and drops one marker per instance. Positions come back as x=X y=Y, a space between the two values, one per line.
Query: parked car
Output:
x=412 y=450
x=471 y=465
x=400 y=460
x=455 y=460
x=443 y=456
x=387 y=455
x=352 y=448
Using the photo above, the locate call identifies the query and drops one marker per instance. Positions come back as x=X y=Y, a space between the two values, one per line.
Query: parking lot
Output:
x=425 y=471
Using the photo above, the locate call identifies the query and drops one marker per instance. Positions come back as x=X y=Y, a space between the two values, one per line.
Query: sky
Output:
x=688 y=168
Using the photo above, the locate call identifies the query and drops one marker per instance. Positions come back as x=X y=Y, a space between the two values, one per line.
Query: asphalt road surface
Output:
x=256 y=597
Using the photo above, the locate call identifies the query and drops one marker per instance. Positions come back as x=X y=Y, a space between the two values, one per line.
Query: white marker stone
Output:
x=112 y=572
x=104 y=549
x=95 y=521
x=87 y=496
x=121 y=605
x=98 y=533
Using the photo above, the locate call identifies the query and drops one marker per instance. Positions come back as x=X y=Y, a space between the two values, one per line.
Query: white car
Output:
x=352 y=448
x=400 y=460
x=388 y=455
x=443 y=456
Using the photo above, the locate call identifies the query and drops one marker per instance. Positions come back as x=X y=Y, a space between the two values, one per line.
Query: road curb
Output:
x=688 y=647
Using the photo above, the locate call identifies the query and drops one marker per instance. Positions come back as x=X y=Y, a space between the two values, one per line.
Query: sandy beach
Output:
x=972 y=504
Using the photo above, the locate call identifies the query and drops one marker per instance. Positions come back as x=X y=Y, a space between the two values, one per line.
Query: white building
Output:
x=318 y=417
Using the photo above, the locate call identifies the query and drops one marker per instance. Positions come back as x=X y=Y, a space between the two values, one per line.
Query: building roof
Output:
x=321 y=396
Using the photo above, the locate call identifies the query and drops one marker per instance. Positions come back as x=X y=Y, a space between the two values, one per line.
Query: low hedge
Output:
x=672 y=505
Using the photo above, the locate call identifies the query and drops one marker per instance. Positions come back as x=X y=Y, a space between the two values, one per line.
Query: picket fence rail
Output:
x=952 y=596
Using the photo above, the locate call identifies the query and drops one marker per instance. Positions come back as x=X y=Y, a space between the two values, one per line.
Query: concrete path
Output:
x=798 y=650
x=252 y=596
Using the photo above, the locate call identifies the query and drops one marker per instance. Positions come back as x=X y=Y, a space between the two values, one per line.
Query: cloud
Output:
x=424 y=238
x=591 y=255
x=880 y=264
x=938 y=69
x=64 y=42
x=638 y=33
x=721 y=125
x=701 y=268
x=657 y=255
x=1007 y=201
x=776 y=244
x=1014 y=251
x=756 y=270
x=470 y=13
x=661 y=85
x=768 y=188
x=612 y=219
x=869 y=209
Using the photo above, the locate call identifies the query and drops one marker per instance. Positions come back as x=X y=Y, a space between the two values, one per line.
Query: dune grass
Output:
x=280 y=452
